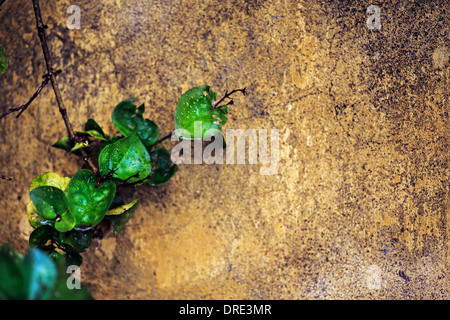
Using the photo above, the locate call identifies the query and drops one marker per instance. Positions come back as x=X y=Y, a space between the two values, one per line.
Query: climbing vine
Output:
x=68 y=213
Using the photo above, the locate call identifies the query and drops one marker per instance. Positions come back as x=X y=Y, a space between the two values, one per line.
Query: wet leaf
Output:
x=128 y=120
x=196 y=105
x=89 y=202
x=49 y=202
x=163 y=169
x=65 y=222
x=126 y=159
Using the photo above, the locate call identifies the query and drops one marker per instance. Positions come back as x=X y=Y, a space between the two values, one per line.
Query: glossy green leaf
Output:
x=128 y=120
x=125 y=159
x=119 y=221
x=33 y=217
x=50 y=202
x=163 y=169
x=46 y=179
x=196 y=105
x=65 y=222
x=89 y=202
x=40 y=274
x=3 y=60
x=107 y=142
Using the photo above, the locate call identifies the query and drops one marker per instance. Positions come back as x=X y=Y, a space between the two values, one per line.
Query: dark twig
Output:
x=48 y=60
x=216 y=105
x=24 y=107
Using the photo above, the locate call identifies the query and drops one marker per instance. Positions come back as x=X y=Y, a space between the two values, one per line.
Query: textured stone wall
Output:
x=359 y=206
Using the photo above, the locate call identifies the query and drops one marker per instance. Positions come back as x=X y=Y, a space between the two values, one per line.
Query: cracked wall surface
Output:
x=359 y=206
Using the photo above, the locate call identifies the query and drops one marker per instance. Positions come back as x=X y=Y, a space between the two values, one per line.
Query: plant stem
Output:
x=24 y=107
x=227 y=95
x=48 y=60
x=163 y=138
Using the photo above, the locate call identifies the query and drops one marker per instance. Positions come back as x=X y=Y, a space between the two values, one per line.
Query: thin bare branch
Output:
x=48 y=60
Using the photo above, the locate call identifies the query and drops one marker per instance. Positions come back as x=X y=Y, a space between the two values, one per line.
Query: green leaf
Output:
x=119 y=221
x=79 y=145
x=50 y=202
x=64 y=143
x=126 y=159
x=89 y=202
x=107 y=142
x=46 y=179
x=37 y=275
x=40 y=275
x=65 y=222
x=163 y=169
x=50 y=179
x=127 y=120
x=33 y=217
x=121 y=209
x=194 y=106
x=11 y=274
x=3 y=60
x=40 y=237
x=78 y=240
x=93 y=133
x=92 y=125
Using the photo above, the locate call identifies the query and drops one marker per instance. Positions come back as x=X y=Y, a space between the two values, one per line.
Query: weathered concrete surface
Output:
x=359 y=207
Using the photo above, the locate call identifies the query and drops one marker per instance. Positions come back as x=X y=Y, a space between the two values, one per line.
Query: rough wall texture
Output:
x=359 y=206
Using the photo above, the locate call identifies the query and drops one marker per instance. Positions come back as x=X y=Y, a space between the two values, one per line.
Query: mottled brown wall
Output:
x=359 y=207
